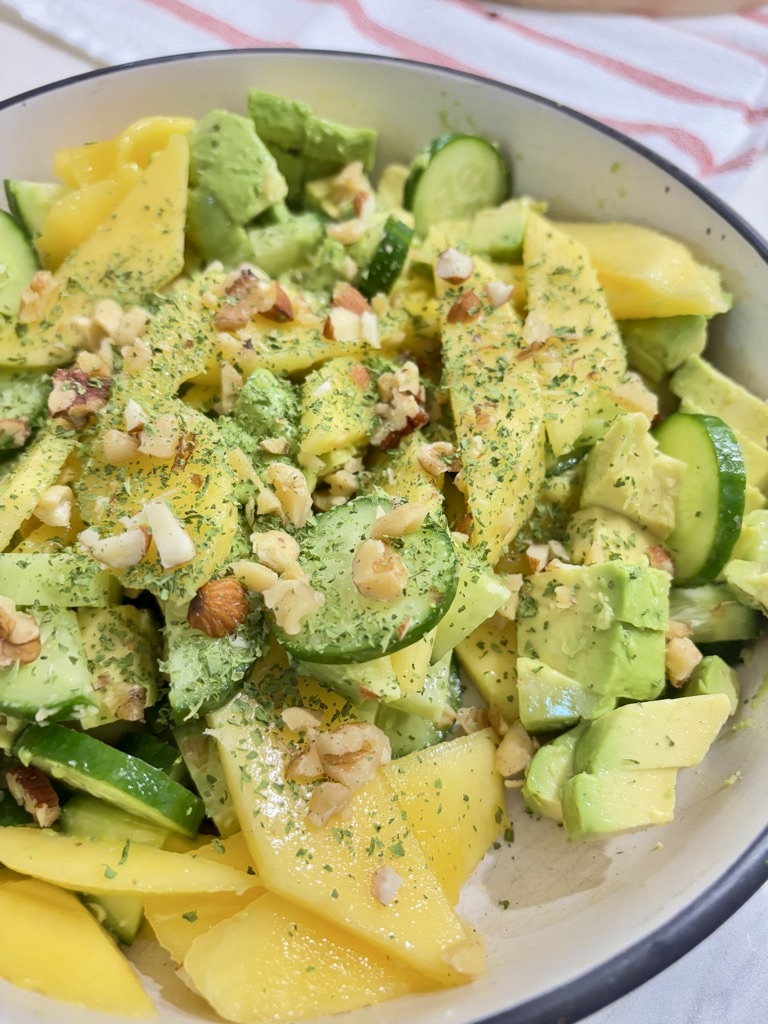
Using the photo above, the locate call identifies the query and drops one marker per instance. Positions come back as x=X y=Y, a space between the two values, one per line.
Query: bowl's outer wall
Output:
x=571 y=907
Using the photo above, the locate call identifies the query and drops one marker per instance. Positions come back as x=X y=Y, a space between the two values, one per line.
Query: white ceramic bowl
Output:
x=585 y=922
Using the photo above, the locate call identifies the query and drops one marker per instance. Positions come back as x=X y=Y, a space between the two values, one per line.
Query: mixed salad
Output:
x=340 y=518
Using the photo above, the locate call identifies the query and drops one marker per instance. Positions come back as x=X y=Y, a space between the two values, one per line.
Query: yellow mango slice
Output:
x=454 y=800
x=138 y=249
x=99 y=866
x=50 y=943
x=489 y=657
x=337 y=402
x=331 y=869
x=85 y=165
x=647 y=274
x=578 y=350
x=34 y=471
x=400 y=474
x=278 y=961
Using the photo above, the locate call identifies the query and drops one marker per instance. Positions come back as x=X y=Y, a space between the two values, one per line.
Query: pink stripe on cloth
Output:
x=223 y=31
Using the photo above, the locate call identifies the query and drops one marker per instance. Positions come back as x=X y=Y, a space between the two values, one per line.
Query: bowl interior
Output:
x=551 y=911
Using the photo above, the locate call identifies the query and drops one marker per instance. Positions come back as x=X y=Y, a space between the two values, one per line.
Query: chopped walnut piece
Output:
x=438 y=458
x=37 y=296
x=292 y=601
x=275 y=445
x=681 y=657
x=305 y=766
x=219 y=607
x=327 y=799
x=402 y=520
x=14 y=433
x=75 y=396
x=19 y=635
x=254 y=575
x=132 y=324
x=453 y=266
x=515 y=750
x=249 y=295
x=275 y=548
x=466 y=308
x=55 y=505
x=292 y=492
x=107 y=315
x=121 y=551
x=32 y=790
x=160 y=438
x=137 y=356
x=353 y=753
x=660 y=558
x=386 y=884
x=378 y=571
x=472 y=719
x=119 y=447
x=677 y=630
x=126 y=701
x=498 y=293
x=513 y=581
x=402 y=407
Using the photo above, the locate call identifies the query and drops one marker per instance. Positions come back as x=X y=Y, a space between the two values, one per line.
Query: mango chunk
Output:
x=331 y=869
x=278 y=961
x=647 y=274
x=50 y=943
x=33 y=473
x=99 y=866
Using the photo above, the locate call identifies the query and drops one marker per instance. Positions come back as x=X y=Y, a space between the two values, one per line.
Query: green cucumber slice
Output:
x=454 y=177
x=388 y=259
x=85 y=763
x=30 y=201
x=352 y=628
x=710 y=505
x=18 y=263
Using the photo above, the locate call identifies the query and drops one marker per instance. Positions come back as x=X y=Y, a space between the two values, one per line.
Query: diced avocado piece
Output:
x=57 y=684
x=323 y=268
x=489 y=658
x=121 y=646
x=213 y=233
x=364 y=681
x=755 y=456
x=291 y=167
x=201 y=756
x=406 y=733
x=752 y=542
x=499 y=231
x=601 y=625
x=229 y=161
x=548 y=771
x=159 y=753
x=598 y=806
x=626 y=473
x=278 y=121
x=549 y=700
x=718 y=395
x=280 y=247
x=749 y=581
x=598 y=534
x=714 y=613
x=268 y=406
x=204 y=671
x=86 y=764
x=23 y=405
x=63 y=579
x=328 y=142
x=658 y=346
x=671 y=733
x=479 y=594
x=713 y=675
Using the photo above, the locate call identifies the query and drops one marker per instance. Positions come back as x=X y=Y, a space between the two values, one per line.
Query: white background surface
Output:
x=725 y=979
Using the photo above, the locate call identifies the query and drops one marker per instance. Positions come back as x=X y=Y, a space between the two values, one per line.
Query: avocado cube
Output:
x=672 y=733
x=658 y=346
x=278 y=121
x=752 y=542
x=548 y=771
x=713 y=675
x=549 y=700
x=714 y=613
x=599 y=806
x=279 y=247
x=213 y=232
x=333 y=144
x=718 y=395
x=611 y=534
x=499 y=231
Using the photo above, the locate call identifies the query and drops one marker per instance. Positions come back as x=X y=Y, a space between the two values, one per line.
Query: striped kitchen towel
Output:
x=694 y=89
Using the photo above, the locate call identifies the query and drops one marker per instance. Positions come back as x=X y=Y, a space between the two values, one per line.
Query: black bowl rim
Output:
x=598 y=987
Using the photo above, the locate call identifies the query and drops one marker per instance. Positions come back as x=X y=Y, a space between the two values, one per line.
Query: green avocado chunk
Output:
x=713 y=675
x=718 y=395
x=658 y=346
x=549 y=700
x=547 y=773
x=599 y=806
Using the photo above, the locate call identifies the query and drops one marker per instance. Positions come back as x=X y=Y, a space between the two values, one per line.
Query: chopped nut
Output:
x=119 y=447
x=677 y=630
x=305 y=766
x=513 y=581
x=275 y=445
x=386 y=884
x=19 y=635
x=107 y=315
x=131 y=326
x=254 y=575
x=275 y=548
x=347 y=232
x=347 y=297
x=360 y=375
x=681 y=657
x=537 y=556
x=174 y=545
x=121 y=551
x=438 y=458
x=402 y=408
x=37 y=296
x=32 y=790
x=55 y=506
x=14 y=433
x=660 y=558
x=327 y=799
x=159 y=440
x=76 y=396
x=378 y=571
x=185 y=445
x=137 y=357
x=515 y=750
x=536 y=330
x=632 y=394
x=498 y=293
x=231 y=386
x=472 y=719
x=300 y=719
x=353 y=753
x=466 y=308
x=126 y=701
x=564 y=597
x=454 y=266
x=343 y=325
x=292 y=601
x=249 y=295
x=293 y=494
x=134 y=417
x=219 y=607
x=404 y=519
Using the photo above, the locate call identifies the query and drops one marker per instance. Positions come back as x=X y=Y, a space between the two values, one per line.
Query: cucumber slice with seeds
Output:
x=453 y=178
x=349 y=627
x=85 y=763
x=710 y=505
